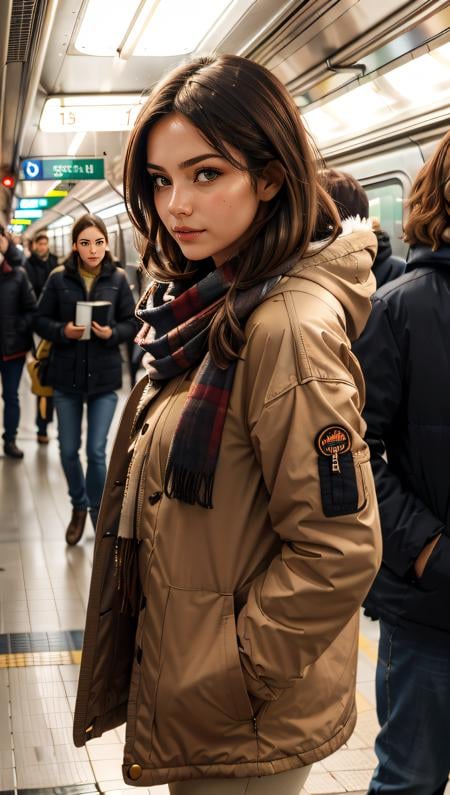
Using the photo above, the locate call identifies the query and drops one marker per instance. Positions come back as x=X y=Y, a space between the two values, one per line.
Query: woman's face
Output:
x=205 y=203
x=91 y=246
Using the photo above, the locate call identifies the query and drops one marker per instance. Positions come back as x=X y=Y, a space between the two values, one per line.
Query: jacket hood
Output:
x=344 y=268
x=424 y=256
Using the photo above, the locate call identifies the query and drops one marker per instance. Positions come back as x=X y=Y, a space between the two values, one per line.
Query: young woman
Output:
x=87 y=371
x=239 y=530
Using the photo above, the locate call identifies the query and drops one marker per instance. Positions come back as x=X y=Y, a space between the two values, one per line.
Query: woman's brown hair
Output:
x=233 y=102
x=429 y=200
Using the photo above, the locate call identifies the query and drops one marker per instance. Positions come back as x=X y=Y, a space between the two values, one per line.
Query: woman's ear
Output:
x=270 y=181
x=74 y=246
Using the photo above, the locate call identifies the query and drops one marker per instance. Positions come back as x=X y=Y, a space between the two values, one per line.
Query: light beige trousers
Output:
x=288 y=783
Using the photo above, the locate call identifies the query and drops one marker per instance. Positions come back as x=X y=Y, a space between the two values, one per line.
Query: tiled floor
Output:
x=43 y=592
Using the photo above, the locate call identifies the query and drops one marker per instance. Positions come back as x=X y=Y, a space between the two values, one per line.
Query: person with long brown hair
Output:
x=85 y=369
x=404 y=352
x=238 y=532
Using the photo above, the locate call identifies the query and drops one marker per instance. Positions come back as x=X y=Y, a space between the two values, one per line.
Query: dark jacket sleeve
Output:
x=406 y=522
x=31 y=272
x=126 y=325
x=46 y=323
x=27 y=302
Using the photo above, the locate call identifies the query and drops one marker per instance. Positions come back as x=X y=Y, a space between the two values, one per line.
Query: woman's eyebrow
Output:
x=86 y=240
x=187 y=163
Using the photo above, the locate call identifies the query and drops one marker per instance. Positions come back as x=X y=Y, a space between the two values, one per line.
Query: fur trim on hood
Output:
x=355 y=224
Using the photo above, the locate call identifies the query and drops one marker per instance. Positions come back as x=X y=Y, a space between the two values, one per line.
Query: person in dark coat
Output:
x=85 y=370
x=17 y=306
x=351 y=200
x=39 y=265
x=404 y=353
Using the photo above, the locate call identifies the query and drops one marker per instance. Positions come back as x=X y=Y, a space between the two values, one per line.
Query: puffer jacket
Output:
x=242 y=660
x=404 y=353
x=93 y=366
x=17 y=306
x=39 y=270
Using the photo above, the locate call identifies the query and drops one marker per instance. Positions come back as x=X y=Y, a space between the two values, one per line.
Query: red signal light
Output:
x=8 y=182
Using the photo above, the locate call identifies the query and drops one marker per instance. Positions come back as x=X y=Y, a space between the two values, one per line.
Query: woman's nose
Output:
x=180 y=202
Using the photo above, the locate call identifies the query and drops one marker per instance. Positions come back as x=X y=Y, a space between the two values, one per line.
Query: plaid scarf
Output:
x=177 y=319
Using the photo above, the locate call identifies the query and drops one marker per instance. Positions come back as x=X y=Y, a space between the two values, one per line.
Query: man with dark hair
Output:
x=40 y=263
x=351 y=200
x=39 y=266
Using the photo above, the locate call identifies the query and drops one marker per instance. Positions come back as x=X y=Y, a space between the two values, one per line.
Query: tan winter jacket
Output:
x=243 y=660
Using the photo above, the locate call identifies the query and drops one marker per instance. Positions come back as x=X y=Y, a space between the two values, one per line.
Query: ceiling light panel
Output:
x=178 y=26
x=104 y=26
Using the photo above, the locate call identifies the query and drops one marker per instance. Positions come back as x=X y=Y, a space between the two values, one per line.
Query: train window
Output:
x=386 y=204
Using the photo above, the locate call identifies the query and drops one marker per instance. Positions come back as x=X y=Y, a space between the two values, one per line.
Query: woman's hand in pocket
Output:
x=423 y=558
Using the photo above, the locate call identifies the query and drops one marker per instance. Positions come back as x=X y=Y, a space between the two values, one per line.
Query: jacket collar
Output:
x=423 y=256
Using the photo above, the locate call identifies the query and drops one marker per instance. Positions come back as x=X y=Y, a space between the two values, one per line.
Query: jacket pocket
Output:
x=234 y=677
x=192 y=696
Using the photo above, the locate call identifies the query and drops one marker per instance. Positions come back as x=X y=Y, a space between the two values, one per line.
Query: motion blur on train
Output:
x=371 y=81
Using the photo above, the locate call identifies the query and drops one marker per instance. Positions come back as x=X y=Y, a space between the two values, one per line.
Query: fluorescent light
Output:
x=178 y=26
x=422 y=79
x=65 y=220
x=115 y=209
x=357 y=108
x=28 y=213
x=320 y=123
x=103 y=26
x=80 y=114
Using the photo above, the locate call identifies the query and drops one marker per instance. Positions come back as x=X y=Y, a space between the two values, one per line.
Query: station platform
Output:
x=44 y=587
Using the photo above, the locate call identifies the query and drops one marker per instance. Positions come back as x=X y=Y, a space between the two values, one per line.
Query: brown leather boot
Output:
x=76 y=526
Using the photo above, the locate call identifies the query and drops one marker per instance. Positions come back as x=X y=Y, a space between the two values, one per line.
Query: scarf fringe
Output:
x=195 y=488
x=127 y=573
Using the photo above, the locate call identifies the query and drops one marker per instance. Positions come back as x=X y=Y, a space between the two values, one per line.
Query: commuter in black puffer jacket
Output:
x=17 y=306
x=405 y=355
x=87 y=371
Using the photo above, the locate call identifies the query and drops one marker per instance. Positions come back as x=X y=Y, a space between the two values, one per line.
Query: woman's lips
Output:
x=187 y=235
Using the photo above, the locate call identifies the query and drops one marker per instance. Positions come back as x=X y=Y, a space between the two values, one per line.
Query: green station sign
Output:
x=64 y=168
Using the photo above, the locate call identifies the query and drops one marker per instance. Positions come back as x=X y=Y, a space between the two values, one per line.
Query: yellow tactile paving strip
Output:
x=27 y=659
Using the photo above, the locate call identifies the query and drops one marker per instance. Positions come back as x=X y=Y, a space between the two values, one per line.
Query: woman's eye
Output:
x=159 y=181
x=207 y=175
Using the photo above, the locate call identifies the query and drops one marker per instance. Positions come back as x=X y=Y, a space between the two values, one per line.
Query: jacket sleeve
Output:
x=27 y=301
x=328 y=559
x=407 y=524
x=126 y=325
x=46 y=323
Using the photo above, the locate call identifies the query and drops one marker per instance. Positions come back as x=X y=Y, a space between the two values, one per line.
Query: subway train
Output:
x=371 y=81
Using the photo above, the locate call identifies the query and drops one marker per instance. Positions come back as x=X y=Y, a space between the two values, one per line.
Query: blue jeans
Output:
x=11 y=373
x=413 y=706
x=85 y=492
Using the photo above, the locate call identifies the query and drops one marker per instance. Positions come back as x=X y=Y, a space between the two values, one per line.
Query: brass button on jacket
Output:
x=135 y=772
